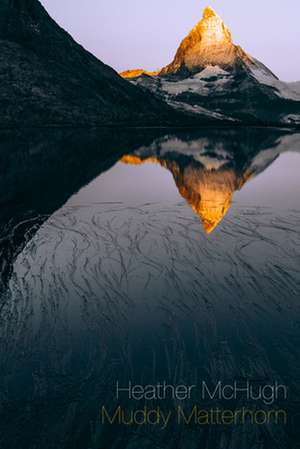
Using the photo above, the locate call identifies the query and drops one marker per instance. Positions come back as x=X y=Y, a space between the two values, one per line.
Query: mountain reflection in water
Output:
x=98 y=287
x=206 y=175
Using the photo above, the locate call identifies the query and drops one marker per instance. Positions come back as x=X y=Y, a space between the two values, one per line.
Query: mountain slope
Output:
x=208 y=44
x=46 y=78
x=210 y=72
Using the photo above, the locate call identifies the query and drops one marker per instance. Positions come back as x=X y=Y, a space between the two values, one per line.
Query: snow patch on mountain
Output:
x=286 y=143
x=183 y=86
x=289 y=142
x=196 y=109
x=261 y=161
x=295 y=86
x=200 y=150
x=211 y=71
x=291 y=119
x=290 y=91
x=210 y=163
x=200 y=83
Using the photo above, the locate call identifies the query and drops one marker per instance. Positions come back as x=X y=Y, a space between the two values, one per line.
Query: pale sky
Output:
x=128 y=34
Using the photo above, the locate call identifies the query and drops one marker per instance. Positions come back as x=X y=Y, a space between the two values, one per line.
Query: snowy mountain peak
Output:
x=209 y=12
x=212 y=28
x=212 y=77
x=209 y=43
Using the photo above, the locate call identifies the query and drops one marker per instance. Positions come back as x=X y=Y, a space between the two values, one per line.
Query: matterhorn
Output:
x=209 y=44
x=211 y=75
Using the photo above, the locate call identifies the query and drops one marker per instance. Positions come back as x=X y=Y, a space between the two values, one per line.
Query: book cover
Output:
x=149 y=224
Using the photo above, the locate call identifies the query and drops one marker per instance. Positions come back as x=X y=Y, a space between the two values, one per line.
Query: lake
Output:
x=143 y=257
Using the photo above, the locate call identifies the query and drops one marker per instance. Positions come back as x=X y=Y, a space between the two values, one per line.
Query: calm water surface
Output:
x=178 y=261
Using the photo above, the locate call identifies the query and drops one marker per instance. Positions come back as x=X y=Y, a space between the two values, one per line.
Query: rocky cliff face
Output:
x=211 y=74
x=209 y=43
x=46 y=78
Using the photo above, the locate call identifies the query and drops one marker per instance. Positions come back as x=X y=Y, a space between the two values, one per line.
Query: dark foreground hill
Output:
x=46 y=78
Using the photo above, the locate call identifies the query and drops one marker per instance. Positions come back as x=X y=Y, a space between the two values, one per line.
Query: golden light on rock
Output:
x=212 y=27
x=135 y=160
x=208 y=43
x=209 y=12
x=136 y=73
x=208 y=192
x=211 y=205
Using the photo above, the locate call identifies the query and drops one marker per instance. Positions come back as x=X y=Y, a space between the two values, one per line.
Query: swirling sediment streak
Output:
x=106 y=291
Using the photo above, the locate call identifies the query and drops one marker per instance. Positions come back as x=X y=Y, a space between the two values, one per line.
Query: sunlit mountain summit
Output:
x=212 y=75
x=209 y=45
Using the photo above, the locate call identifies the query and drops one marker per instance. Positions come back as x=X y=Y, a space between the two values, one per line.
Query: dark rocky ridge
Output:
x=46 y=78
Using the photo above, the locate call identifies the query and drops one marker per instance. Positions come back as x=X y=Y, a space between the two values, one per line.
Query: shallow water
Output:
x=178 y=263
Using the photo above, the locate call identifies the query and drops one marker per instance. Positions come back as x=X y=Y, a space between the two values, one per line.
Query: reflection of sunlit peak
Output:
x=135 y=160
x=209 y=197
x=212 y=212
x=131 y=159
x=208 y=192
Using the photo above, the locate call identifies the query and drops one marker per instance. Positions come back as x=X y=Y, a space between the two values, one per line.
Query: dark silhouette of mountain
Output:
x=49 y=79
